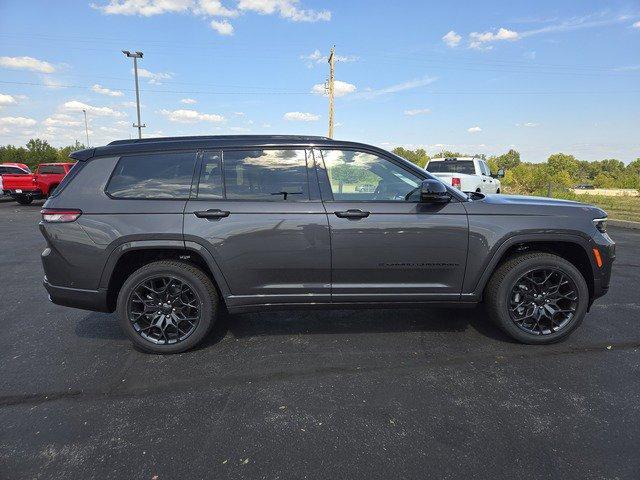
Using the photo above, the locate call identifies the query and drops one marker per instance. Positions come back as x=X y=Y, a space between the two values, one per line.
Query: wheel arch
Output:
x=128 y=257
x=572 y=248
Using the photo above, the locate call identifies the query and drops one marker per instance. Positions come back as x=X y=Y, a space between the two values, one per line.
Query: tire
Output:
x=497 y=191
x=149 y=338
x=504 y=289
x=24 y=199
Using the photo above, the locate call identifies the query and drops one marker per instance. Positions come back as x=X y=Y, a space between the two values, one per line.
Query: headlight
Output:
x=601 y=224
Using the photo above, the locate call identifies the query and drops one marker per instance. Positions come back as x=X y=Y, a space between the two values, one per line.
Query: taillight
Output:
x=455 y=182
x=55 y=215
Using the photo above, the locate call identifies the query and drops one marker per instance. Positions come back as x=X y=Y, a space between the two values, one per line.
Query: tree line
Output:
x=560 y=170
x=37 y=151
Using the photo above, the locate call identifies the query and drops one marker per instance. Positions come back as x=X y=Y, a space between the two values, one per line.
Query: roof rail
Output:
x=218 y=137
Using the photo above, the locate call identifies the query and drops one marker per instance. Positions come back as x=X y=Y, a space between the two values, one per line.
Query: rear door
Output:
x=258 y=212
x=387 y=247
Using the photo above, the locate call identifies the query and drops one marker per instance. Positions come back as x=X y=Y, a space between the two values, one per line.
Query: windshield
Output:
x=452 y=166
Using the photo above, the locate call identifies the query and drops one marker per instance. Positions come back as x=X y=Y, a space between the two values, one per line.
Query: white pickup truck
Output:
x=465 y=173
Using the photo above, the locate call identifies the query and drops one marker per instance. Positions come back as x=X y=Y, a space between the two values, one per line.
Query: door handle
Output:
x=212 y=213
x=352 y=214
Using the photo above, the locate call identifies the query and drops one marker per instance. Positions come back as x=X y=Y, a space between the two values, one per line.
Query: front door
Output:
x=260 y=215
x=385 y=245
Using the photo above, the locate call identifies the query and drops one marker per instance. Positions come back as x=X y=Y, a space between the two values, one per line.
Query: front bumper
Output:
x=95 y=300
x=602 y=275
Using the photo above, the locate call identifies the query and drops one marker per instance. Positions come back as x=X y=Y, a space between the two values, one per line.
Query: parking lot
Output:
x=343 y=394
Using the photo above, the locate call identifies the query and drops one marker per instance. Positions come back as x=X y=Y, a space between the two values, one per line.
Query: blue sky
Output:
x=478 y=77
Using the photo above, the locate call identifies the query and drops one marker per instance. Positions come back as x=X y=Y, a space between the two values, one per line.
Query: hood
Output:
x=523 y=205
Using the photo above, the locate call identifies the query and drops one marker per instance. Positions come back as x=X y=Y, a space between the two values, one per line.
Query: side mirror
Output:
x=433 y=191
x=500 y=173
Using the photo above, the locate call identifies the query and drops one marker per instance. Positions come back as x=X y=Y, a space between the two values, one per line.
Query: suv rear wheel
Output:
x=167 y=306
x=537 y=298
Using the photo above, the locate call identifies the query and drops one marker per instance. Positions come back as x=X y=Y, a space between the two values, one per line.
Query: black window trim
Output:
x=305 y=148
x=178 y=150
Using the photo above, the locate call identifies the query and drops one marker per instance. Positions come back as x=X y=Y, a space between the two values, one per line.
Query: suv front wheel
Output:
x=167 y=306
x=537 y=298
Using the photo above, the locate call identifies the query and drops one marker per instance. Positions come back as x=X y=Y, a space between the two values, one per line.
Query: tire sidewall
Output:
x=504 y=291
x=207 y=303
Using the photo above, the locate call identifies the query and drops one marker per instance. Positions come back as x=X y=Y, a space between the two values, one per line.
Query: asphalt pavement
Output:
x=375 y=394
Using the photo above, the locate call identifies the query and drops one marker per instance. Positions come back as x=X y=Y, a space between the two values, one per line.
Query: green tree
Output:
x=559 y=162
x=508 y=160
x=419 y=156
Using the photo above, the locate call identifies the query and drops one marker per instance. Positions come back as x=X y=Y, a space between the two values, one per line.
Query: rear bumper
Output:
x=95 y=300
x=26 y=193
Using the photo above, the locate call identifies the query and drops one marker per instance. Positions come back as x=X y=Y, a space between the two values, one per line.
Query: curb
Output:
x=623 y=224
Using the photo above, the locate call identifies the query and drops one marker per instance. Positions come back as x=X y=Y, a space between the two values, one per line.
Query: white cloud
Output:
x=452 y=39
x=239 y=114
x=27 y=63
x=223 y=27
x=106 y=91
x=474 y=129
x=146 y=8
x=214 y=10
x=76 y=106
x=301 y=117
x=637 y=24
x=479 y=40
x=17 y=122
x=340 y=88
x=61 y=120
x=154 y=78
x=417 y=111
x=191 y=116
x=399 y=87
x=7 y=100
x=316 y=57
x=188 y=101
x=286 y=9
x=528 y=124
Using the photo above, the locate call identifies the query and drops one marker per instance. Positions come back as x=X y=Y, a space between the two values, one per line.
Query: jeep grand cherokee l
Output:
x=168 y=231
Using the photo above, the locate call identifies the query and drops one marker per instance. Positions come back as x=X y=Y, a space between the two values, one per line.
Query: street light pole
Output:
x=136 y=56
x=86 y=126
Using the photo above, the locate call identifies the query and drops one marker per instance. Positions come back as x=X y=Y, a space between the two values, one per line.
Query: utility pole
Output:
x=331 y=89
x=86 y=126
x=136 y=56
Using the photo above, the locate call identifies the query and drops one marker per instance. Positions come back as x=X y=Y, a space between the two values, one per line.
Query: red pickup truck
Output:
x=25 y=188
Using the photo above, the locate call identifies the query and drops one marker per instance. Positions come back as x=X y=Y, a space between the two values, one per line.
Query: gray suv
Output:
x=170 y=231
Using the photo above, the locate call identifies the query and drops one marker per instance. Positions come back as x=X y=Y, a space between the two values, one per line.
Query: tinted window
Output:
x=155 y=175
x=452 y=166
x=210 y=184
x=51 y=169
x=363 y=176
x=272 y=175
x=15 y=171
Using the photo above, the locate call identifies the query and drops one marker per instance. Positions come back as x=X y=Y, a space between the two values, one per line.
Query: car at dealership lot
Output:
x=27 y=188
x=466 y=174
x=168 y=231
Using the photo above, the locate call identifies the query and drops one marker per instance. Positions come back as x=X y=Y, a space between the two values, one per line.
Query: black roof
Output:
x=202 y=142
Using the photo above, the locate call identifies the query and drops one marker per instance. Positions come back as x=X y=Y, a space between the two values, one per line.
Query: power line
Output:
x=411 y=92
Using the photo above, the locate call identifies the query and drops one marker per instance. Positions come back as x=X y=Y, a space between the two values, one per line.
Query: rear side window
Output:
x=51 y=169
x=153 y=175
x=452 y=166
x=269 y=175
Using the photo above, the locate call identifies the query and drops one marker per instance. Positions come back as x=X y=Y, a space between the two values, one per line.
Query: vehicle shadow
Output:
x=332 y=322
x=347 y=322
